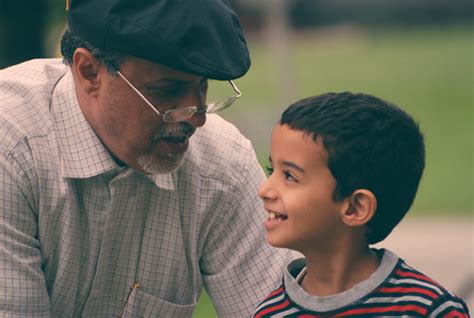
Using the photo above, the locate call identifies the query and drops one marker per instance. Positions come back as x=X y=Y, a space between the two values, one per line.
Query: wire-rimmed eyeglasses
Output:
x=182 y=114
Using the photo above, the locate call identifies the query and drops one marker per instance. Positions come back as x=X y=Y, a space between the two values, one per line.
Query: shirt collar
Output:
x=345 y=298
x=164 y=181
x=82 y=153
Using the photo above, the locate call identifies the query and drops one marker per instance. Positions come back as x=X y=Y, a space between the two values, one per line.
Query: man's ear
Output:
x=87 y=70
x=361 y=208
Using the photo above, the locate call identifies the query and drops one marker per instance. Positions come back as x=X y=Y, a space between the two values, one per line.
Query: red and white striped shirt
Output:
x=394 y=290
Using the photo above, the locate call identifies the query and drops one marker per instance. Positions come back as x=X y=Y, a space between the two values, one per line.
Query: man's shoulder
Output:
x=220 y=148
x=25 y=94
x=219 y=130
x=32 y=74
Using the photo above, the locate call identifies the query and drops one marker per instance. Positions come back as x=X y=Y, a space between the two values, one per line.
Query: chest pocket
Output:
x=141 y=304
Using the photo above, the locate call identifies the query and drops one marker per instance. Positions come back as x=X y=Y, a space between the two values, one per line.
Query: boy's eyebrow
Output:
x=289 y=164
x=293 y=165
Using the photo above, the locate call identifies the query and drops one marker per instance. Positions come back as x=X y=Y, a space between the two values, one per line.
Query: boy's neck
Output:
x=331 y=274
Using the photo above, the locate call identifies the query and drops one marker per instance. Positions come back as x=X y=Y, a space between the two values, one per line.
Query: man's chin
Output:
x=160 y=165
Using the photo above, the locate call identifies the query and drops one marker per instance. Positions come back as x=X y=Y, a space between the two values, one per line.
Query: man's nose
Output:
x=198 y=119
x=196 y=98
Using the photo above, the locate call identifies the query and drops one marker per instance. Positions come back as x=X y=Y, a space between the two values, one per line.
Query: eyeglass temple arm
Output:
x=139 y=93
x=235 y=89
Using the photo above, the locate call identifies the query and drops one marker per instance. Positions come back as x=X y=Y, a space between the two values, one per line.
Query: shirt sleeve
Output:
x=449 y=306
x=23 y=290
x=239 y=267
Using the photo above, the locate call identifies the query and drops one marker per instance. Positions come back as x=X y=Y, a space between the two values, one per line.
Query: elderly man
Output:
x=119 y=195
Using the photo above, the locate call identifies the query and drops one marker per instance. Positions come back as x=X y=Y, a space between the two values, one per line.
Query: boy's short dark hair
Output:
x=372 y=144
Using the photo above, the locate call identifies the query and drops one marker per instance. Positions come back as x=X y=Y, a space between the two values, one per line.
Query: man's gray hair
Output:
x=71 y=41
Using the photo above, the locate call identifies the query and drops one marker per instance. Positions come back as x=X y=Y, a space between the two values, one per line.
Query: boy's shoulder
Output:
x=395 y=289
x=413 y=286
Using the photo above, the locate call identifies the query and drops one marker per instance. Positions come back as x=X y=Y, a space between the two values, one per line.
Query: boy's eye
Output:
x=269 y=170
x=290 y=177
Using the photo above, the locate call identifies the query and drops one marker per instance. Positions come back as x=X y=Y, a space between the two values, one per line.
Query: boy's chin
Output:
x=277 y=242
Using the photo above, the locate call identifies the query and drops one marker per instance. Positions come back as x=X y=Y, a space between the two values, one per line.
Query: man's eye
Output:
x=166 y=92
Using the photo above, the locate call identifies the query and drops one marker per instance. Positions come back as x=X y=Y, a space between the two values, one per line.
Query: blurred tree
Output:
x=310 y=13
x=315 y=13
x=23 y=26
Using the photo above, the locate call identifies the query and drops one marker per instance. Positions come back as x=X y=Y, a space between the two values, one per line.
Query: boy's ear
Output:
x=87 y=69
x=361 y=208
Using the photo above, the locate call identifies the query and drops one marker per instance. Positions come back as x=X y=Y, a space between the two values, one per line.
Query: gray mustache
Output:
x=174 y=130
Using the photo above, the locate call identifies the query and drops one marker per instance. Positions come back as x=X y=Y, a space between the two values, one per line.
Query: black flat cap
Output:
x=201 y=37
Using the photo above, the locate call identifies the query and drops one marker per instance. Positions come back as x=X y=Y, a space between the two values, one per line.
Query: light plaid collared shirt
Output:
x=77 y=231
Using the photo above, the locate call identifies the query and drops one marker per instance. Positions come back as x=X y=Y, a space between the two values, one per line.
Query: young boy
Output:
x=344 y=170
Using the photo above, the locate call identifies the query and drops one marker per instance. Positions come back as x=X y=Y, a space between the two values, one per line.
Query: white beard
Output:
x=162 y=165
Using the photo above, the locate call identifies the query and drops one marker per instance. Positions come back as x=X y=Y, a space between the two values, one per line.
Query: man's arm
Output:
x=239 y=267
x=23 y=290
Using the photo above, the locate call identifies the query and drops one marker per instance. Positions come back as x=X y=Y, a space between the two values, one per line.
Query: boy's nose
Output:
x=266 y=192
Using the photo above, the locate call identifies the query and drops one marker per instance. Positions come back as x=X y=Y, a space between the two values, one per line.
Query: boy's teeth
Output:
x=276 y=216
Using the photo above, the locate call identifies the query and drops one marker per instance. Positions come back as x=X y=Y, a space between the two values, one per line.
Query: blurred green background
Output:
x=417 y=54
x=427 y=70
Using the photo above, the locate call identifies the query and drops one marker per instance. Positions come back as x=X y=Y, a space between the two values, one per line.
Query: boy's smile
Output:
x=298 y=194
x=274 y=218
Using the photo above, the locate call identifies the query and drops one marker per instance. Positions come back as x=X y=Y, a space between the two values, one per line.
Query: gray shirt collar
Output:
x=328 y=303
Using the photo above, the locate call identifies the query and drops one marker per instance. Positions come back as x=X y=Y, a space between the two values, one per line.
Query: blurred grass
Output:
x=204 y=308
x=428 y=72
